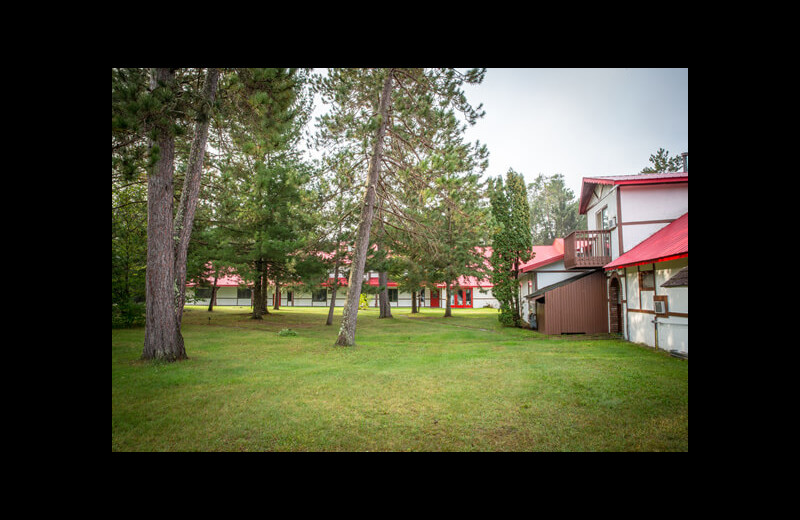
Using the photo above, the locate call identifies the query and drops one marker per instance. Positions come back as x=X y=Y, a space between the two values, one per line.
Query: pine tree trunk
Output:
x=264 y=290
x=184 y=219
x=347 y=332
x=335 y=288
x=385 y=306
x=448 y=312
x=162 y=338
x=214 y=288
x=259 y=292
x=414 y=302
x=276 y=305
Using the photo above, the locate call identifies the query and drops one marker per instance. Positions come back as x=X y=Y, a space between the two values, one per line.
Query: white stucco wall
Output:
x=670 y=332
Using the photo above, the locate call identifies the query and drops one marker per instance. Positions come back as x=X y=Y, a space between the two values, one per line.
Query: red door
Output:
x=462 y=298
x=434 y=298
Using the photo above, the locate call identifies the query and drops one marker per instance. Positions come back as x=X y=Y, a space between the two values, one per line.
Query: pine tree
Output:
x=264 y=180
x=663 y=163
x=553 y=209
x=383 y=118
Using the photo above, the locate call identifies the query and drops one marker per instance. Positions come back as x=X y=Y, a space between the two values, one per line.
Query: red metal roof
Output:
x=544 y=255
x=668 y=243
x=588 y=183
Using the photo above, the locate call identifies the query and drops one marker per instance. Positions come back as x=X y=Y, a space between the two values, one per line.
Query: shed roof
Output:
x=668 y=243
x=681 y=279
x=556 y=285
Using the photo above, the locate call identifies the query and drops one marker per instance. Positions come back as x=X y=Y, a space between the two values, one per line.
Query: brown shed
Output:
x=577 y=305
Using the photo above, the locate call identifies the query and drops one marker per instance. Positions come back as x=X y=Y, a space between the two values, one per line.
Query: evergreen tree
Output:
x=663 y=163
x=376 y=114
x=264 y=210
x=511 y=245
x=553 y=209
x=159 y=112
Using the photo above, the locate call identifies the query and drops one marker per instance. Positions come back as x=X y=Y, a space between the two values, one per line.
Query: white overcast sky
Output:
x=578 y=122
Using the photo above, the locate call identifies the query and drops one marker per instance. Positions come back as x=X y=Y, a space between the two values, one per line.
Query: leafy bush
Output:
x=363 y=302
x=287 y=332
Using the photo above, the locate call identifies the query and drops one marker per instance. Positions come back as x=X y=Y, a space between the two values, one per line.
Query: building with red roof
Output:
x=637 y=242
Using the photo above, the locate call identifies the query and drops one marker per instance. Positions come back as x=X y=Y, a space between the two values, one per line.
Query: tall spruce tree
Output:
x=512 y=243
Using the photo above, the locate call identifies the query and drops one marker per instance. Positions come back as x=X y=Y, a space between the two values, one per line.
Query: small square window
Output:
x=320 y=295
x=660 y=305
x=393 y=295
x=647 y=281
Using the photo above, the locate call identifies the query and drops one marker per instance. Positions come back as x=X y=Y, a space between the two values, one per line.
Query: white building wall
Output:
x=661 y=202
x=668 y=332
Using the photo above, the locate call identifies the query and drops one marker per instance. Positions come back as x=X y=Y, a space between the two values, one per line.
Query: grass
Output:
x=411 y=383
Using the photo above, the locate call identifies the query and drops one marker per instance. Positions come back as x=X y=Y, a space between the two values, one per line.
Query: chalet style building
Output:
x=626 y=274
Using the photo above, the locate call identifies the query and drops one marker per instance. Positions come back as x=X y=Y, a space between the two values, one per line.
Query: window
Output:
x=393 y=295
x=660 y=304
x=647 y=281
x=320 y=296
x=242 y=293
x=202 y=292
x=601 y=218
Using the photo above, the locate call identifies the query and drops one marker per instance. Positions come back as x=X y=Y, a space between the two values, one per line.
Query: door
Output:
x=461 y=298
x=614 y=306
x=434 y=297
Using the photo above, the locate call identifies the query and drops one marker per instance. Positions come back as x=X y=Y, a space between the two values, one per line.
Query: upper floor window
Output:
x=602 y=220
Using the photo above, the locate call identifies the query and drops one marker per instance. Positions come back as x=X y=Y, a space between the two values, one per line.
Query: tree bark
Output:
x=385 y=306
x=214 y=288
x=335 y=288
x=184 y=219
x=447 y=312
x=347 y=331
x=276 y=305
x=414 y=302
x=162 y=336
x=259 y=292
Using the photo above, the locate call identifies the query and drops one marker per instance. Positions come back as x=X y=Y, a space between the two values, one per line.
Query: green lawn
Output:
x=412 y=383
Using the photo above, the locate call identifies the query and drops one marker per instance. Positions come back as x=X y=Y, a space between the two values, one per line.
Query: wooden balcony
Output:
x=584 y=249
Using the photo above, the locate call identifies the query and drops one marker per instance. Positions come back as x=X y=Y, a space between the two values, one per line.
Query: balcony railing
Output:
x=587 y=249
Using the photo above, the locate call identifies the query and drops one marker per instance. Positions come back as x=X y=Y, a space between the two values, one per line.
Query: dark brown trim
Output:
x=668 y=315
x=640 y=222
